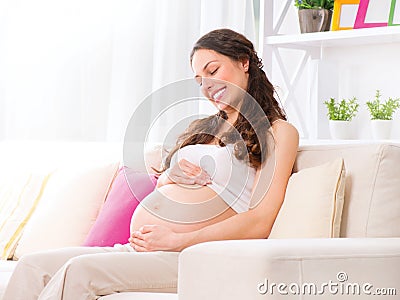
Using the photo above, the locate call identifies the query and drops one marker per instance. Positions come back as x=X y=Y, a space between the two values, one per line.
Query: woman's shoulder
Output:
x=280 y=125
x=283 y=130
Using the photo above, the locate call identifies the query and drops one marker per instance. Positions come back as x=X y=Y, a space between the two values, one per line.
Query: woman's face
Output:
x=214 y=71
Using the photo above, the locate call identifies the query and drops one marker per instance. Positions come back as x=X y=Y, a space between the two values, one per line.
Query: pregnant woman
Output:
x=215 y=185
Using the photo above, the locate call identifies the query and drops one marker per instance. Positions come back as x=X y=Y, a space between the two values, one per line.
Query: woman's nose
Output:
x=206 y=83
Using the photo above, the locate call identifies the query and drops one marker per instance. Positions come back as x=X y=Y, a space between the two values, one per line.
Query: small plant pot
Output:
x=341 y=130
x=381 y=129
x=314 y=20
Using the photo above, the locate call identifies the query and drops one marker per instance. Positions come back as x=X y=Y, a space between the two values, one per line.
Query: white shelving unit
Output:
x=342 y=38
x=309 y=68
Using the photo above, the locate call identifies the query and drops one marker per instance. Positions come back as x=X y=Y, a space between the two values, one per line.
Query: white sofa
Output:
x=368 y=250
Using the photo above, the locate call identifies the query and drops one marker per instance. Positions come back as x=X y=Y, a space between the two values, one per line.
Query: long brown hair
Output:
x=203 y=131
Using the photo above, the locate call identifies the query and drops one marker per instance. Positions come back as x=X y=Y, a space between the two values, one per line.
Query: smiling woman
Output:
x=225 y=178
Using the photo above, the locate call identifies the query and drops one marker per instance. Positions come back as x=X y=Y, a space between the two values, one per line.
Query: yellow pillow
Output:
x=20 y=192
x=313 y=203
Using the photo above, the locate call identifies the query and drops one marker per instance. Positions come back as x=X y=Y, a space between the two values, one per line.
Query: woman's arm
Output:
x=253 y=224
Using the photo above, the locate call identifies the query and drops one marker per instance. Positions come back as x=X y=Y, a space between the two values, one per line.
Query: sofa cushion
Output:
x=371 y=206
x=113 y=223
x=6 y=269
x=68 y=208
x=20 y=193
x=313 y=203
x=141 y=296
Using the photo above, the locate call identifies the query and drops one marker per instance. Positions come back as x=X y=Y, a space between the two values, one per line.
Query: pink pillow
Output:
x=113 y=222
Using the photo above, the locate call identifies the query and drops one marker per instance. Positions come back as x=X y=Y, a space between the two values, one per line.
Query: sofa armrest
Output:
x=289 y=268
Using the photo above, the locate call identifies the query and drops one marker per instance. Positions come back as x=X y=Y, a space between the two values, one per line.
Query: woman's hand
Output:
x=184 y=172
x=156 y=238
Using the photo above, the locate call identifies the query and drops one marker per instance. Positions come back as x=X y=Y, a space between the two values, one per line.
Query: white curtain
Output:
x=76 y=69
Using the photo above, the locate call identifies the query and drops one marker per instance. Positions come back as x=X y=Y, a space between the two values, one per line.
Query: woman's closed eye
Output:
x=200 y=79
x=213 y=72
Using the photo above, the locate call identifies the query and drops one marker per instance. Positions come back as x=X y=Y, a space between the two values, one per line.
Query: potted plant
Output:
x=382 y=115
x=314 y=15
x=340 y=115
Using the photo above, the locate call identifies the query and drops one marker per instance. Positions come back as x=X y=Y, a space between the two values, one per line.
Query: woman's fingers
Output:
x=145 y=229
x=189 y=168
x=180 y=177
x=138 y=248
x=185 y=172
x=138 y=245
x=194 y=170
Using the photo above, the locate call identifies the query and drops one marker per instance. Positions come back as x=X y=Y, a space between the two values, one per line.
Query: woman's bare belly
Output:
x=182 y=208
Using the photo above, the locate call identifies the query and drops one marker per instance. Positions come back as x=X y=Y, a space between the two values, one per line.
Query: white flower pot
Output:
x=341 y=129
x=381 y=129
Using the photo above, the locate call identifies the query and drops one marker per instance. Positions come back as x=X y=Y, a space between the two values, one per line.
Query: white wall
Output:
x=78 y=69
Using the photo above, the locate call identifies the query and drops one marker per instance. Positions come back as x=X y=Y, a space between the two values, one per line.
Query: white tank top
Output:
x=232 y=179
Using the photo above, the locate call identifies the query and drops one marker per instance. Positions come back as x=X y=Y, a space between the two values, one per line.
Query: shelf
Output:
x=317 y=142
x=342 y=38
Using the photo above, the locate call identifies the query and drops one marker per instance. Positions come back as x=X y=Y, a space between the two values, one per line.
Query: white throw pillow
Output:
x=20 y=193
x=313 y=203
x=68 y=208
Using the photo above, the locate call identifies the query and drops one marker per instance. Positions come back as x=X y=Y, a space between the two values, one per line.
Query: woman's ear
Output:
x=245 y=64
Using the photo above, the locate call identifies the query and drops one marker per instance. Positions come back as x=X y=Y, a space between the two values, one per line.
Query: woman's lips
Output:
x=218 y=94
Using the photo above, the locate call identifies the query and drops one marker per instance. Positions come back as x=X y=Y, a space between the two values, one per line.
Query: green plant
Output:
x=343 y=110
x=382 y=110
x=314 y=4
